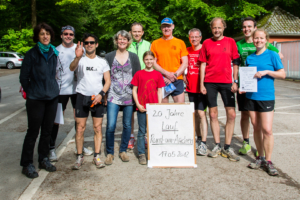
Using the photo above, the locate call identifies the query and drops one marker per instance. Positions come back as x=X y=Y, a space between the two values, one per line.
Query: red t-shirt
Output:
x=147 y=83
x=218 y=54
x=193 y=71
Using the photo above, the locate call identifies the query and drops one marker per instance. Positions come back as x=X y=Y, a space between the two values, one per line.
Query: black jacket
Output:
x=37 y=75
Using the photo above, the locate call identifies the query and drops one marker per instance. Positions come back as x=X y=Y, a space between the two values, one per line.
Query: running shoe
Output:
x=229 y=153
x=146 y=143
x=52 y=155
x=215 y=152
x=202 y=150
x=257 y=163
x=269 y=168
x=79 y=162
x=198 y=143
x=131 y=143
x=30 y=171
x=246 y=148
x=85 y=151
x=97 y=161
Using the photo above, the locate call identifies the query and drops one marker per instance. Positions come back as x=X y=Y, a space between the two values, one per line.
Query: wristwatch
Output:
x=102 y=93
x=236 y=81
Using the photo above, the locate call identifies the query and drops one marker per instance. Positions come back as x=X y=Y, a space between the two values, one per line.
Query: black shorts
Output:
x=241 y=100
x=83 y=111
x=259 y=106
x=225 y=91
x=179 y=88
x=199 y=100
x=64 y=99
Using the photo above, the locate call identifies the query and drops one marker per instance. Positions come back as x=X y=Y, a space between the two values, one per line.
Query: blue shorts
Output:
x=179 y=88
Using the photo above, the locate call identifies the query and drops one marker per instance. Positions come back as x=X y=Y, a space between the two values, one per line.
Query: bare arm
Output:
x=106 y=86
x=167 y=74
x=280 y=74
x=136 y=99
x=159 y=95
x=234 y=87
x=202 y=75
x=78 y=52
x=183 y=66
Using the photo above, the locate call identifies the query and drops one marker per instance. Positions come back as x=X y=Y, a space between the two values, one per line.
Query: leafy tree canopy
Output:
x=105 y=17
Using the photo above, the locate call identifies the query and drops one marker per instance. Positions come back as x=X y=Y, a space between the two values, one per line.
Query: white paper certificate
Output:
x=247 y=82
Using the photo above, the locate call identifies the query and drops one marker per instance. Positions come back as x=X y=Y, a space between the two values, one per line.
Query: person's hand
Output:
x=167 y=81
x=141 y=108
x=203 y=89
x=234 y=87
x=260 y=74
x=185 y=80
x=241 y=92
x=97 y=99
x=171 y=76
x=79 y=50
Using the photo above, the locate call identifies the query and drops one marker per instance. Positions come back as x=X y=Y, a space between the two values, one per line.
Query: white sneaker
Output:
x=86 y=151
x=52 y=155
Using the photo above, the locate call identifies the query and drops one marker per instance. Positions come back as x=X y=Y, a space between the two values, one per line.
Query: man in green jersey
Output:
x=139 y=47
x=246 y=48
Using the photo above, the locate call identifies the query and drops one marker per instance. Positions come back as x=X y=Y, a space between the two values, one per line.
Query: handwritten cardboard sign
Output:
x=170 y=132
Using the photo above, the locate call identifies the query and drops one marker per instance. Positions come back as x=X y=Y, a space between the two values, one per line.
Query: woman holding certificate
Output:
x=260 y=104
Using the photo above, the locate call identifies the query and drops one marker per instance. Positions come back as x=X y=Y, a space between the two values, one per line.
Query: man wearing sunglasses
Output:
x=91 y=70
x=66 y=80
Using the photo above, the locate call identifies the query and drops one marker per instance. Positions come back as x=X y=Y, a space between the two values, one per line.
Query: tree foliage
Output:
x=105 y=17
x=18 y=41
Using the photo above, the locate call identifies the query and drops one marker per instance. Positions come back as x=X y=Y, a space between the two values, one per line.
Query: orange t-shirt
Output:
x=169 y=53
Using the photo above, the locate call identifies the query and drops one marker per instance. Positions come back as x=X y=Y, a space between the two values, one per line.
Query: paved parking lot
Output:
x=213 y=179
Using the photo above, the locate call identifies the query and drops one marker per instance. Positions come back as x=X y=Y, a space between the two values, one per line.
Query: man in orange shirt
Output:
x=170 y=59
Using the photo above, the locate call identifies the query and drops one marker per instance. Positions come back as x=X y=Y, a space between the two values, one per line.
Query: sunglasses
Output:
x=89 y=42
x=71 y=34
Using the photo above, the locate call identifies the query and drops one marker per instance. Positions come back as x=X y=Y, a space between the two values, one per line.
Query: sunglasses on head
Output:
x=87 y=42
x=71 y=34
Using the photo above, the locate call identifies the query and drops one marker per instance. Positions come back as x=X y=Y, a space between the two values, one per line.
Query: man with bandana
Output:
x=66 y=80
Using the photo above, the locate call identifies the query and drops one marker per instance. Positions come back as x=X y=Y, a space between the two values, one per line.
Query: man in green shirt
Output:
x=246 y=48
x=139 y=47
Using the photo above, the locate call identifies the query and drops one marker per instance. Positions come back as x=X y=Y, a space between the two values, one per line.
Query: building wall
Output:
x=283 y=39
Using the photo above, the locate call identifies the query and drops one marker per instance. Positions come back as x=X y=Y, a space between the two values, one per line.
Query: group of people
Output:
x=134 y=75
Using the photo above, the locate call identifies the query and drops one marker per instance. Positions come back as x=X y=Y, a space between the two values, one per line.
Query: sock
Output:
x=246 y=140
x=132 y=135
x=199 y=138
x=226 y=146
x=219 y=144
x=95 y=154
x=80 y=155
x=203 y=142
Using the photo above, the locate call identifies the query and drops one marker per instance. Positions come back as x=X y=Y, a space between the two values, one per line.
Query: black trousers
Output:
x=40 y=116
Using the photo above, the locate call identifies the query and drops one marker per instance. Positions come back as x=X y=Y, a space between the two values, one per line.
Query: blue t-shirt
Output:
x=268 y=60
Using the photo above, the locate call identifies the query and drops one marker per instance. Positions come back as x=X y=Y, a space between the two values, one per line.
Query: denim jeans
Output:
x=112 y=115
x=142 y=131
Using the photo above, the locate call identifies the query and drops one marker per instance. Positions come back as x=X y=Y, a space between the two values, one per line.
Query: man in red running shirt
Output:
x=192 y=81
x=216 y=56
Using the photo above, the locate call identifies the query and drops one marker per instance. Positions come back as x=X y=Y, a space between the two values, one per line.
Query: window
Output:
x=11 y=55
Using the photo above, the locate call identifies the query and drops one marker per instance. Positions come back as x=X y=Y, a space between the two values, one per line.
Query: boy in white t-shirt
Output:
x=91 y=69
x=66 y=81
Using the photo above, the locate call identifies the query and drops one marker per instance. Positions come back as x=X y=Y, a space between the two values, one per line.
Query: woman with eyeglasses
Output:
x=123 y=65
x=37 y=78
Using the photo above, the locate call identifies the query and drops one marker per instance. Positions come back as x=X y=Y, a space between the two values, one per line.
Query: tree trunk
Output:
x=33 y=13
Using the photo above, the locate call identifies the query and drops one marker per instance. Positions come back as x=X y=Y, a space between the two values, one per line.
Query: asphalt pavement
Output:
x=216 y=178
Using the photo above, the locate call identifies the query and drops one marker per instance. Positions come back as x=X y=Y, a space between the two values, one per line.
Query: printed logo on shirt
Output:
x=173 y=47
x=224 y=50
x=91 y=69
